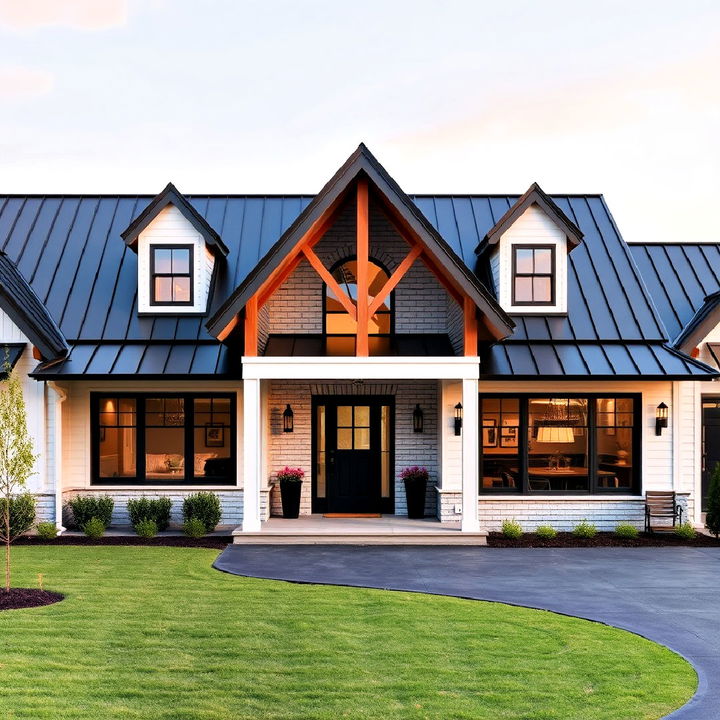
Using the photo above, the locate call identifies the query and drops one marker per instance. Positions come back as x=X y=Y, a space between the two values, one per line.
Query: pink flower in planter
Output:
x=291 y=474
x=414 y=473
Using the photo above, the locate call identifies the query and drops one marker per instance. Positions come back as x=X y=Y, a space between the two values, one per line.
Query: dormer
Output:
x=527 y=250
x=177 y=250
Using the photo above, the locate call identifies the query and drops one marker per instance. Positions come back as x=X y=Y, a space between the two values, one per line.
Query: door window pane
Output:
x=344 y=438
x=344 y=416
x=385 y=450
x=362 y=416
x=320 y=446
x=362 y=438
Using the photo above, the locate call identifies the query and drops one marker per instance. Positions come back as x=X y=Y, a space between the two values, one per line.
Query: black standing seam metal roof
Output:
x=683 y=279
x=73 y=256
x=25 y=309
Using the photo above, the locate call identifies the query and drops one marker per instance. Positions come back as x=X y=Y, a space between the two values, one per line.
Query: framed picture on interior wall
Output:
x=489 y=432
x=509 y=437
x=214 y=435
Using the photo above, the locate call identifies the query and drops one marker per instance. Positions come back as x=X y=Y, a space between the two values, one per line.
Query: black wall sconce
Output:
x=288 y=419
x=458 y=418
x=418 y=420
x=661 y=418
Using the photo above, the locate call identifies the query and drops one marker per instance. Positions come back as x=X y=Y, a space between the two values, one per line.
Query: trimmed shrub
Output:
x=94 y=528
x=546 y=532
x=155 y=509
x=86 y=507
x=685 y=531
x=203 y=506
x=511 y=529
x=627 y=531
x=712 y=519
x=47 y=530
x=22 y=513
x=194 y=528
x=146 y=528
x=585 y=530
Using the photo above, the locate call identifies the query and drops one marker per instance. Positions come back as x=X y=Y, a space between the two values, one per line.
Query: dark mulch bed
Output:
x=17 y=598
x=603 y=539
x=214 y=541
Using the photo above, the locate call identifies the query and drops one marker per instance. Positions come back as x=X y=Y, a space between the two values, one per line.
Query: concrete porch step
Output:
x=452 y=537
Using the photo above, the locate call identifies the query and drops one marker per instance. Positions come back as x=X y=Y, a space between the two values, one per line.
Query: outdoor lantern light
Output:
x=661 y=418
x=288 y=419
x=458 y=418
x=417 y=419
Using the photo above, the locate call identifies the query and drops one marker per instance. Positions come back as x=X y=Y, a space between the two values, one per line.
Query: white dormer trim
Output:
x=533 y=227
x=170 y=227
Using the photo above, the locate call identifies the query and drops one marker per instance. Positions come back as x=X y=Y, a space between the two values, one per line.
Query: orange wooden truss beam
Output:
x=394 y=279
x=251 y=327
x=470 y=344
x=330 y=281
x=362 y=348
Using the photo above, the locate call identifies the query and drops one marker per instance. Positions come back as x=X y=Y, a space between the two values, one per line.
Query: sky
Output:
x=238 y=96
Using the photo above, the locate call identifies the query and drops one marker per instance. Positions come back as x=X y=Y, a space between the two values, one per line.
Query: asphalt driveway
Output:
x=669 y=595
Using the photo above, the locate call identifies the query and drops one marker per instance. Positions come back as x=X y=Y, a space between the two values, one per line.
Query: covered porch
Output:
x=352 y=435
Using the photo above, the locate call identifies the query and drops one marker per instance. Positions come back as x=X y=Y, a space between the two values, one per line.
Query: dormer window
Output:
x=533 y=275
x=171 y=275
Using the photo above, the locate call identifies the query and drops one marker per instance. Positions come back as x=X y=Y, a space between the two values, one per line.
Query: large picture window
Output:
x=560 y=445
x=163 y=439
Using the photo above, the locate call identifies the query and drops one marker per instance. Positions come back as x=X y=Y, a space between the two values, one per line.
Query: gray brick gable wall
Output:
x=422 y=305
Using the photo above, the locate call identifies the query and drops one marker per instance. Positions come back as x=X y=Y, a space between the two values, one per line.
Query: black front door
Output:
x=353 y=454
x=711 y=443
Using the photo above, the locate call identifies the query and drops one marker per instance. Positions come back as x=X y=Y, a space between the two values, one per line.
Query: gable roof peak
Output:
x=534 y=195
x=170 y=195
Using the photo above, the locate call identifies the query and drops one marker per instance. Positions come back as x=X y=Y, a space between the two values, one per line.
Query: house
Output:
x=508 y=344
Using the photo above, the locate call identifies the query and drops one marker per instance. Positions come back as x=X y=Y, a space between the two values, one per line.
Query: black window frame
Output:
x=326 y=312
x=591 y=429
x=552 y=275
x=140 y=478
x=190 y=274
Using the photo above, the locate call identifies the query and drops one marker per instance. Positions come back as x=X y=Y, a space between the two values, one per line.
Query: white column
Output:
x=470 y=456
x=252 y=455
x=60 y=395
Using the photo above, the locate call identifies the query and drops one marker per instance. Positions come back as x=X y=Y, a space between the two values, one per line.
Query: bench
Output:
x=661 y=504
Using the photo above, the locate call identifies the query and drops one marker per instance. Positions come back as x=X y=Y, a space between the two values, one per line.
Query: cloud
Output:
x=18 y=81
x=78 y=14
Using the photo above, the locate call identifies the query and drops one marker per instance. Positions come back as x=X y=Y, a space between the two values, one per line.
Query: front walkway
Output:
x=669 y=595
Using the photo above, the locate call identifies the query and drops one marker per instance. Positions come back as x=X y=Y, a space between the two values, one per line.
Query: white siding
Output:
x=76 y=421
x=533 y=227
x=42 y=481
x=168 y=228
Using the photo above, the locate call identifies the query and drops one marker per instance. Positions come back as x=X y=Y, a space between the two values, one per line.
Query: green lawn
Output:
x=156 y=633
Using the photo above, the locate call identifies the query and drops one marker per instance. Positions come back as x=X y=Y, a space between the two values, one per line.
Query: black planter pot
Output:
x=415 y=493
x=290 y=494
